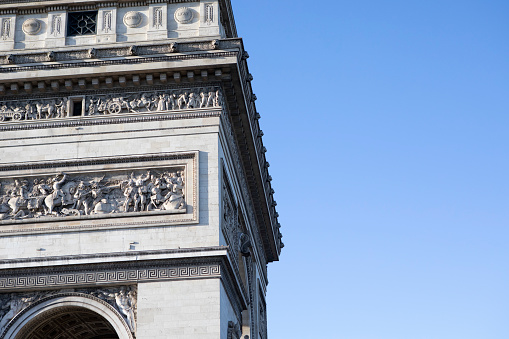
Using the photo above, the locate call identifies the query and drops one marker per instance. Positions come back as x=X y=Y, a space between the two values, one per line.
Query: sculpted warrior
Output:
x=55 y=198
x=83 y=198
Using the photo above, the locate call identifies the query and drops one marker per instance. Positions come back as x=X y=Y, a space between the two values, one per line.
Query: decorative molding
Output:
x=96 y=275
x=109 y=3
x=136 y=254
x=106 y=120
x=104 y=63
x=109 y=52
x=244 y=188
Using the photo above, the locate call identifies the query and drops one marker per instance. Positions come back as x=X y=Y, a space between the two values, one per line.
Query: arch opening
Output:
x=71 y=322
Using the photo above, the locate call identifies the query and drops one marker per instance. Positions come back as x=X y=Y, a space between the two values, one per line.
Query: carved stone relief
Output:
x=158 y=17
x=156 y=101
x=65 y=195
x=237 y=241
x=234 y=331
x=209 y=14
x=133 y=19
x=34 y=109
x=107 y=20
x=122 y=298
x=5 y=32
x=262 y=320
x=31 y=26
x=56 y=25
x=184 y=15
x=141 y=102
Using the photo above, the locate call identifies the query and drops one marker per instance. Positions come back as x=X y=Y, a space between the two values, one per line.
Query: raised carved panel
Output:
x=148 y=185
x=63 y=195
x=112 y=104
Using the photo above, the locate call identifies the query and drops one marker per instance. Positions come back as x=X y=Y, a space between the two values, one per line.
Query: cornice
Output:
x=95 y=3
x=106 y=120
x=130 y=61
x=51 y=56
x=113 y=256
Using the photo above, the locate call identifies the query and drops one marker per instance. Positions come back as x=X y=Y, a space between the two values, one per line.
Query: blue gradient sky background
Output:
x=386 y=124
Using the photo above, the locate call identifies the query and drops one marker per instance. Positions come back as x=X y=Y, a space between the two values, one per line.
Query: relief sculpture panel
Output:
x=115 y=103
x=63 y=195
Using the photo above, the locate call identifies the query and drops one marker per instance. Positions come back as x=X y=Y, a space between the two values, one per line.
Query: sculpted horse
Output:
x=61 y=196
x=17 y=205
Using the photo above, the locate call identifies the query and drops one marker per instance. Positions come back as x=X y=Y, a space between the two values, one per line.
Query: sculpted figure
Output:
x=39 y=192
x=193 y=101
x=21 y=188
x=83 y=198
x=145 y=102
x=172 y=101
x=51 y=107
x=104 y=206
x=19 y=198
x=129 y=193
x=125 y=304
x=12 y=307
x=56 y=198
x=210 y=99
x=30 y=112
x=203 y=100
x=92 y=107
x=38 y=108
x=182 y=100
x=140 y=197
x=218 y=99
x=155 y=187
x=174 y=200
x=62 y=108
x=163 y=102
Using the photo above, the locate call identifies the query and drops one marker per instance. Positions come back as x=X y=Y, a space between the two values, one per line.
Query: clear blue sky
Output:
x=386 y=124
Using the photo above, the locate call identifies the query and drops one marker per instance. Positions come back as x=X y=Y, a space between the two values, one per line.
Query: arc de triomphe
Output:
x=135 y=197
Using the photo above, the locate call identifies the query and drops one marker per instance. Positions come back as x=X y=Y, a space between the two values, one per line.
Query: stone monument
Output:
x=135 y=198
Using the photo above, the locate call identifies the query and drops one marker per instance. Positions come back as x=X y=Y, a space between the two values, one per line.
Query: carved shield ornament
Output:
x=184 y=15
x=31 y=26
x=133 y=19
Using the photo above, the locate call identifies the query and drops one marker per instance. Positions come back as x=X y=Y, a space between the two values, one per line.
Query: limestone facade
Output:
x=134 y=188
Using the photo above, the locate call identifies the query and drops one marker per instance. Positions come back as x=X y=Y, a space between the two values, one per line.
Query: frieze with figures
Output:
x=110 y=104
x=64 y=195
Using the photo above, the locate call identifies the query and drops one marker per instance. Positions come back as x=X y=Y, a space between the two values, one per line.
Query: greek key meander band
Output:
x=109 y=277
